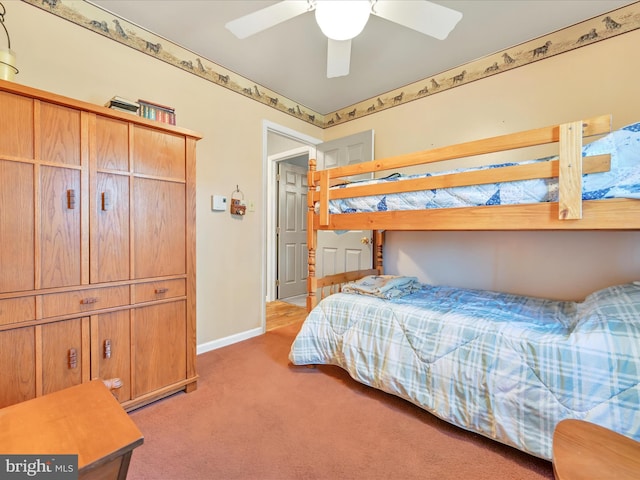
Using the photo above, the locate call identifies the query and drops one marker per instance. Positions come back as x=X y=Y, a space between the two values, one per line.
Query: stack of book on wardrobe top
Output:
x=123 y=105
x=155 y=111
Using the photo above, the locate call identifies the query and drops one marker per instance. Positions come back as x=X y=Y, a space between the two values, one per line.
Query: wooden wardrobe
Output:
x=97 y=249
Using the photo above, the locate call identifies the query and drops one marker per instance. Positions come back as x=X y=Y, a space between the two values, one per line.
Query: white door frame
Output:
x=269 y=172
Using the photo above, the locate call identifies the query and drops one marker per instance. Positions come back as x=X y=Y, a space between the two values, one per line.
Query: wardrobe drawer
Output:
x=147 y=292
x=84 y=300
x=16 y=310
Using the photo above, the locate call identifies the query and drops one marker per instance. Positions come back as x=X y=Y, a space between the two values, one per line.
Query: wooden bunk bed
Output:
x=506 y=366
x=570 y=212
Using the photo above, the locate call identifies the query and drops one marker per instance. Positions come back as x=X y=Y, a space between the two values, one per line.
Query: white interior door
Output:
x=292 y=230
x=337 y=253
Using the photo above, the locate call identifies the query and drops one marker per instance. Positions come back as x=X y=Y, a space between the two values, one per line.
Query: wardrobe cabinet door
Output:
x=110 y=229
x=112 y=144
x=112 y=350
x=63 y=364
x=158 y=153
x=159 y=346
x=159 y=228
x=60 y=227
x=110 y=221
x=17 y=219
x=16 y=126
x=17 y=361
x=59 y=134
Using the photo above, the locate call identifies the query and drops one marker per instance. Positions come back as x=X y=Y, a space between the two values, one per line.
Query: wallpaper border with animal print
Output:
x=94 y=18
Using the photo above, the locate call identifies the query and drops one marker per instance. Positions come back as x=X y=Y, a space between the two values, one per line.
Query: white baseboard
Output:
x=230 y=340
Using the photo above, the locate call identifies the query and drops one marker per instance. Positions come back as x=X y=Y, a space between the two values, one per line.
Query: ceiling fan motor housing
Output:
x=342 y=20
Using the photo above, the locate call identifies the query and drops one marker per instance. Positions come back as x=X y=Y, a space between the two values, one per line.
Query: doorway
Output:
x=280 y=144
x=291 y=151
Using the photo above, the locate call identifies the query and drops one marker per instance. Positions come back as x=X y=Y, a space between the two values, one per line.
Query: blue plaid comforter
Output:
x=508 y=367
x=622 y=181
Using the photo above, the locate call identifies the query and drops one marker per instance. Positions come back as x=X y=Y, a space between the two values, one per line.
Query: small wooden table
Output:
x=85 y=420
x=585 y=451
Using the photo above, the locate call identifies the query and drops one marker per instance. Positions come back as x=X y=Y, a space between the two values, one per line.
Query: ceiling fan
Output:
x=342 y=20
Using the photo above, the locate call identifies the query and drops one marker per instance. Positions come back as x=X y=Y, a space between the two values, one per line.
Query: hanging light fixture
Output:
x=342 y=20
x=7 y=58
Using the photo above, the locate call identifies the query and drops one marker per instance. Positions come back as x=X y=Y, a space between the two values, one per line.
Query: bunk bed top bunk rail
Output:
x=570 y=211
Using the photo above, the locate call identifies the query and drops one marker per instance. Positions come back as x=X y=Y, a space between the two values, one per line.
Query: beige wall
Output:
x=598 y=79
x=61 y=57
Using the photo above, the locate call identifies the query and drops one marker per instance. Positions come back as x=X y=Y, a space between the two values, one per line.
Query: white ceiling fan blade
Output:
x=420 y=15
x=267 y=17
x=338 y=58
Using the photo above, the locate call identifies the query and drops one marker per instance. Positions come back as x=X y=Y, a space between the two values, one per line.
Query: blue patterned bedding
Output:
x=508 y=367
x=622 y=181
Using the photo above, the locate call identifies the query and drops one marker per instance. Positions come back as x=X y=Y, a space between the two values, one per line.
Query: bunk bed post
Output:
x=570 y=175
x=312 y=238
x=378 y=241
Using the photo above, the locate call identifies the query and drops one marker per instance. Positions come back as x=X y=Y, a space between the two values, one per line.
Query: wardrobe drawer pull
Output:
x=161 y=290
x=88 y=300
x=107 y=348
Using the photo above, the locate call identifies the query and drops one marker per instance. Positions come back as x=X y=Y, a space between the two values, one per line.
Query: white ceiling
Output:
x=290 y=58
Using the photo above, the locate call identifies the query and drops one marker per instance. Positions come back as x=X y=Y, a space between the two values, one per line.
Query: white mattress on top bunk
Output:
x=622 y=181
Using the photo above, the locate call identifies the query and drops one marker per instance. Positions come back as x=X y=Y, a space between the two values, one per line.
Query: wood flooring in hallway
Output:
x=281 y=314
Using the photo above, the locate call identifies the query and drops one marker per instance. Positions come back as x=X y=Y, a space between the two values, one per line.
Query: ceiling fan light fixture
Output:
x=342 y=20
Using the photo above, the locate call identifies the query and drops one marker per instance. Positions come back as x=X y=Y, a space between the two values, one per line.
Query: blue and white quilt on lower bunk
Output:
x=622 y=181
x=508 y=367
